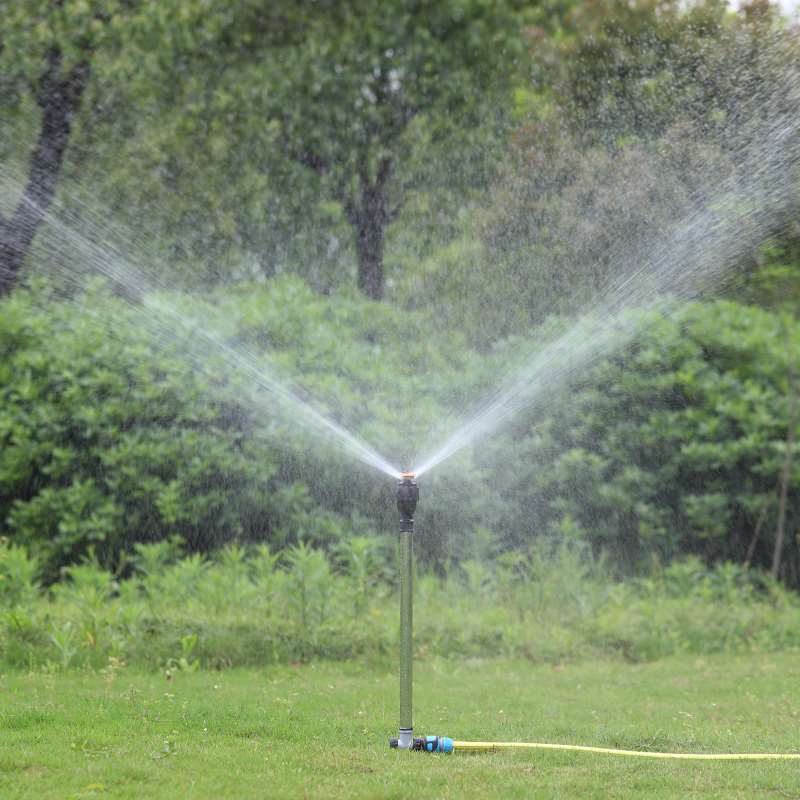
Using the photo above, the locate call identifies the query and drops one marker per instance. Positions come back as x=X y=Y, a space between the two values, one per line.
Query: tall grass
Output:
x=254 y=606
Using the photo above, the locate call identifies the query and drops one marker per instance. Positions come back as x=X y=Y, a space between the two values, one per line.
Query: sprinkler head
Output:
x=407 y=497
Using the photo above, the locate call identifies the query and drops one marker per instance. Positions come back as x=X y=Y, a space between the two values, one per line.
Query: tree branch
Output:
x=351 y=209
x=362 y=168
x=762 y=518
x=384 y=171
x=58 y=98
x=312 y=161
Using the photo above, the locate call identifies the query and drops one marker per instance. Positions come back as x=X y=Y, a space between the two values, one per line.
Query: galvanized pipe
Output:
x=407 y=496
x=406 y=636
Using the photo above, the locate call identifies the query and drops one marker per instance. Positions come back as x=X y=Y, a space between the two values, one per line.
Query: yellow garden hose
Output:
x=444 y=744
x=484 y=746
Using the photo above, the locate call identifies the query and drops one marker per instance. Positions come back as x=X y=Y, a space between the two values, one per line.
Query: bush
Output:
x=114 y=433
x=254 y=606
x=124 y=423
x=673 y=446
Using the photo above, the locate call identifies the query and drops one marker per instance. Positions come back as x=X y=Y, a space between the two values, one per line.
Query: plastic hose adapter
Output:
x=435 y=744
x=430 y=744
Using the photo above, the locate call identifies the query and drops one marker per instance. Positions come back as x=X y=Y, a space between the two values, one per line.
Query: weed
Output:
x=552 y=603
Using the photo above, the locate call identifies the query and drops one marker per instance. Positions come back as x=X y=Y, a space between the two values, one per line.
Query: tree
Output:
x=346 y=98
x=337 y=91
x=47 y=51
x=648 y=114
x=633 y=68
x=259 y=138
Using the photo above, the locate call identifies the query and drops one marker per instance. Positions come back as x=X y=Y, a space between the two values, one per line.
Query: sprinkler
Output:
x=407 y=498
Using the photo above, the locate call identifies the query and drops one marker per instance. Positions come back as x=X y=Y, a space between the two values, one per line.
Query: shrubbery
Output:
x=113 y=433
x=675 y=445
x=120 y=424
x=106 y=440
x=255 y=606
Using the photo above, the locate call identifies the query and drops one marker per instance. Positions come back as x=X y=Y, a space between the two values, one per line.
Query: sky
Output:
x=789 y=7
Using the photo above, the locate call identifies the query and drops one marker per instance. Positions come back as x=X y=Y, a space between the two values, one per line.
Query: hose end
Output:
x=434 y=744
x=428 y=744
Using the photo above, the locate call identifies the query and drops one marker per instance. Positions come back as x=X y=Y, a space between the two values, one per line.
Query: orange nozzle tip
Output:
x=408 y=475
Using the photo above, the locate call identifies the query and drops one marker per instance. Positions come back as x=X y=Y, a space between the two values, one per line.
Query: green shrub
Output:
x=673 y=446
x=122 y=424
x=115 y=434
x=253 y=606
x=18 y=575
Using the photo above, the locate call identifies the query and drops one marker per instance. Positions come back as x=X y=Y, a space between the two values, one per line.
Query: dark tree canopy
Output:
x=336 y=88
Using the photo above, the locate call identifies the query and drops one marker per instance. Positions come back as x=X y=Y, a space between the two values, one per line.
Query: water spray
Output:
x=407 y=498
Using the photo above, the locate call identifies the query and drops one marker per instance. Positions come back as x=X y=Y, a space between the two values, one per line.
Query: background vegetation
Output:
x=257 y=607
x=390 y=204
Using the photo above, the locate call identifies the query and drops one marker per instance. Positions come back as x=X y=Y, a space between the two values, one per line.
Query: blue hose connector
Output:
x=430 y=744
x=438 y=744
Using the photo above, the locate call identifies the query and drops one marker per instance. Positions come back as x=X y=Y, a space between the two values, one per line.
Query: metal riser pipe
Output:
x=407 y=497
x=406 y=636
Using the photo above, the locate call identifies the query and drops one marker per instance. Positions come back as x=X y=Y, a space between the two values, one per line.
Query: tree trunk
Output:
x=762 y=518
x=58 y=99
x=369 y=214
x=369 y=247
x=786 y=471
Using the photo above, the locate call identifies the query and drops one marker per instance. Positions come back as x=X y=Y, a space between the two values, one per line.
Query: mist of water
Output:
x=722 y=226
x=203 y=346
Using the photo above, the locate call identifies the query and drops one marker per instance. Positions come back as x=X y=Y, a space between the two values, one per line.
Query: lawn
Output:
x=321 y=730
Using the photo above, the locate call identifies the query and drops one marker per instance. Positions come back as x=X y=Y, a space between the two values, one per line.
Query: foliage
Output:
x=254 y=607
x=19 y=574
x=253 y=141
x=48 y=52
x=237 y=135
x=567 y=223
x=347 y=98
x=118 y=427
x=244 y=139
x=107 y=441
x=674 y=445
x=642 y=117
x=635 y=68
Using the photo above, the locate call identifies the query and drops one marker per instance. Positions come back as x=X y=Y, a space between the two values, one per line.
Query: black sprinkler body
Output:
x=407 y=498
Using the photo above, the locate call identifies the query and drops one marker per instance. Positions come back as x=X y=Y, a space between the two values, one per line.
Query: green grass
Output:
x=320 y=730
